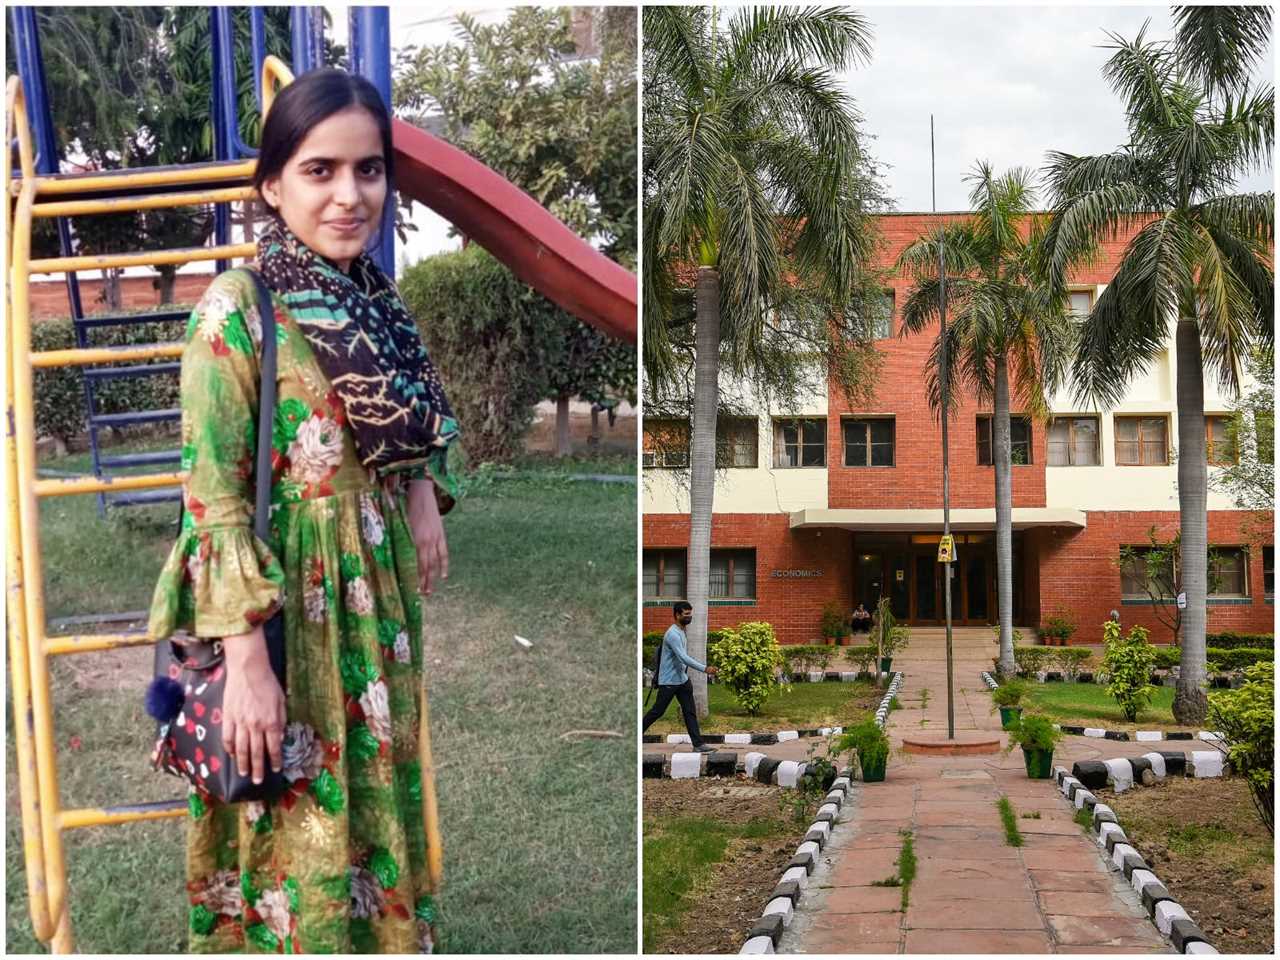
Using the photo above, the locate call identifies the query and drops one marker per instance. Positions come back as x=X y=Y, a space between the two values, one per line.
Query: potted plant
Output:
x=1057 y=630
x=883 y=628
x=868 y=741
x=835 y=623
x=1007 y=698
x=1037 y=736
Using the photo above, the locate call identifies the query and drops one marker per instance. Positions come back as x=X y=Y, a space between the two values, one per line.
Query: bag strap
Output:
x=266 y=409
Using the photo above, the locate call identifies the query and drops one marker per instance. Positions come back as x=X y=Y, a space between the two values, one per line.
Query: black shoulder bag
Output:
x=186 y=695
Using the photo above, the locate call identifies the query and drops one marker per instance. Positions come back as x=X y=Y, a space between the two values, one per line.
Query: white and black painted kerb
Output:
x=1166 y=913
x=1140 y=736
x=764 y=933
x=754 y=738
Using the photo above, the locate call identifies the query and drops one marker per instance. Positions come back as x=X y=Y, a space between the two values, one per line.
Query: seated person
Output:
x=861 y=620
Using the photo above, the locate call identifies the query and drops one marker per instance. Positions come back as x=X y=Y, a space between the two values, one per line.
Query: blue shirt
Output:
x=675 y=658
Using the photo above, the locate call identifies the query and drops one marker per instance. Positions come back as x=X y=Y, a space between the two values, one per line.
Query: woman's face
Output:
x=331 y=191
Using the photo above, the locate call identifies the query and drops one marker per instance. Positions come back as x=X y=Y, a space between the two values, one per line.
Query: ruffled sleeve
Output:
x=220 y=579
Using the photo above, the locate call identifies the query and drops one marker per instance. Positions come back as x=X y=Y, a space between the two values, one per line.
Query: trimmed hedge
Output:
x=59 y=399
x=1231 y=641
x=1228 y=659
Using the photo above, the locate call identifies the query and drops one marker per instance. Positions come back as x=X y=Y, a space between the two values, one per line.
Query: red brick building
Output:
x=828 y=504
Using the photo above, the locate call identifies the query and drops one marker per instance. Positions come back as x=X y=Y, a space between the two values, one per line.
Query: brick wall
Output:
x=1073 y=570
x=1078 y=571
x=49 y=298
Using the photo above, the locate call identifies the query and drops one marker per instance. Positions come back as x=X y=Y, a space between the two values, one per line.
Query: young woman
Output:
x=360 y=445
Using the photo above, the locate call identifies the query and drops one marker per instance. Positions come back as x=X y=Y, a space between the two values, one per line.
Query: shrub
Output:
x=59 y=391
x=1030 y=660
x=1239 y=658
x=747 y=657
x=1168 y=657
x=1009 y=693
x=899 y=634
x=835 y=622
x=1060 y=627
x=1033 y=732
x=1070 y=660
x=1230 y=641
x=863 y=657
x=1128 y=662
x=1246 y=719
x=867 y=740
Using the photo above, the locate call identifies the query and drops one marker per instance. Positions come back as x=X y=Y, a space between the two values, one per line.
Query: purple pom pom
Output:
x=164 y=698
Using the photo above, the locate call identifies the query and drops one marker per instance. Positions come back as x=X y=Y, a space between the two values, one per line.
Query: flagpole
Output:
x=946 y=466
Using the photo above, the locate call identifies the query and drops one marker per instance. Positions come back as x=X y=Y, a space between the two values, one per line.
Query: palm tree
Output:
x=754 y=176
x=1200 y=255
x=1001 y=314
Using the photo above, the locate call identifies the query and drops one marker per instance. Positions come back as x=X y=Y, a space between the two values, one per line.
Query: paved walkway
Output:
x=972 y=892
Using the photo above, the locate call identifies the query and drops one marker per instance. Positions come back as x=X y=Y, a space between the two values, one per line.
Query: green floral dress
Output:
x=338 y=864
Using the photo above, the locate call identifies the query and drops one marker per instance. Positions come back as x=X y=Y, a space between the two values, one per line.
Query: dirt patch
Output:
x=1205 y=842
x=728 y=901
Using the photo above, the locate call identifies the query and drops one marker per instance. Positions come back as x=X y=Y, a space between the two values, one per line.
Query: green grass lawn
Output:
x=1089 y=705
x=538 y=822
x=805 y=705
x=679 y=854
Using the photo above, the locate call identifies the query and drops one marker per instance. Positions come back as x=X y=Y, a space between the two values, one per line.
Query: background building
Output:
x=824 y=503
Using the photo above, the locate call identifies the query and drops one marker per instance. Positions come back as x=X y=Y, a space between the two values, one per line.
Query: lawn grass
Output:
x=804 y=705
x=679 y=854
x=1089 y=705
x=538 y=821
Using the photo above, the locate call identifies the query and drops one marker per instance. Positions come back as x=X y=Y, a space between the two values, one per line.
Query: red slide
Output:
x=516 y=229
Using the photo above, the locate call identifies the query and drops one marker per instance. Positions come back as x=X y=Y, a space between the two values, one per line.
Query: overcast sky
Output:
x=1005 y=84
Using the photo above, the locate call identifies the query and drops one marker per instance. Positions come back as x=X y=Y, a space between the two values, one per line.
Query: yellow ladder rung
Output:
x=145 y=258
x=166 y=177
x=81 y=208
x=90 y=355
x=132 y=813
x=93 y=642
x=69 y=486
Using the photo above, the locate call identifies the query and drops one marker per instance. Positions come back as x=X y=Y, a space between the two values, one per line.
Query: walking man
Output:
x=673 y=675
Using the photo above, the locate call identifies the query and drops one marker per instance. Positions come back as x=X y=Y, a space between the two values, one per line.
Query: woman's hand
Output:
x=428 y=534
x=253 y=706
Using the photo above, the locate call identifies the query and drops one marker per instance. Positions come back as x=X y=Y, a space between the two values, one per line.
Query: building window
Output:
x=664 y=574
x=1073 y=442
x=882 y=316
x=1143 y=575
x=1080 y=304
x=868 y=443
x=800 y=443
x=1219 y=445
x=1269 y=571
x=1142 y=441
x=666 y=443
x=737 y=442
x=1228 y=572
x=733 y=575
x=1019 y=436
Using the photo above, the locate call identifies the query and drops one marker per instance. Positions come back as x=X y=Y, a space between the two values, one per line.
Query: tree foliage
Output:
x=1128 y=661
x=1251 y=481
x=1246 y=719
x=748 y=658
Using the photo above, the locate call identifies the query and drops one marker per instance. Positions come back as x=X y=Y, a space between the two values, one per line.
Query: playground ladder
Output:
x=43 y=818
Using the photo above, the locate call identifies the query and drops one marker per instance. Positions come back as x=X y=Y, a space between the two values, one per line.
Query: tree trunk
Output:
x=1189 y=701
x=702 y=461
x=111 y=290
x=594 y=439
x=1001 y=454
x=563 y=447
x=167 y=280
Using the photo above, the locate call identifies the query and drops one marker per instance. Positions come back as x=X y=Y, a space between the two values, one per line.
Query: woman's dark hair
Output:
x=307 y=102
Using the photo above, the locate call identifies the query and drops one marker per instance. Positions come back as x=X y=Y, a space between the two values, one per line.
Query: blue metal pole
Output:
x=224 y=77
x=308 y=39
x=222 y=147
x=258 y=48
x=370 y=40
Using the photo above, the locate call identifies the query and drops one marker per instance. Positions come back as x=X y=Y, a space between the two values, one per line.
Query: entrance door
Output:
x=870 y=581
x=977 y=582
x=926 y=584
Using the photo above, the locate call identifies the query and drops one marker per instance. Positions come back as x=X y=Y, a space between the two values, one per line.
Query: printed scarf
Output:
x=368 y=346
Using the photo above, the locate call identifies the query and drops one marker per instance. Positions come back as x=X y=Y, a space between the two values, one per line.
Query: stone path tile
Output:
x=951 y=888
x=981 y=941
x=935 y=914
x=841 y=930
x=1089 y=903
x=969 y=871
x=862 y=868
x=1103 y=931
x=1084 y=882
x=851 y=899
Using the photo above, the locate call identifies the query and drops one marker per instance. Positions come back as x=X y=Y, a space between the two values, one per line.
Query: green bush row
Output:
x=59 y=391
x=1231 y=641
x=1227 y=659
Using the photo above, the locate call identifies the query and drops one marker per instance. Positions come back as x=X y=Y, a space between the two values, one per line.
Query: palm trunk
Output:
x=1189 y=701
x=702 y=453
x=1001 y=451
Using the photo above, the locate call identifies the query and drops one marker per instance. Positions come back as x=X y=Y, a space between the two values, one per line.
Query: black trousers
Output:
x=684 y=693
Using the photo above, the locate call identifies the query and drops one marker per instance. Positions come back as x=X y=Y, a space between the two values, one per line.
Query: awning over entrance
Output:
x=919 y=521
